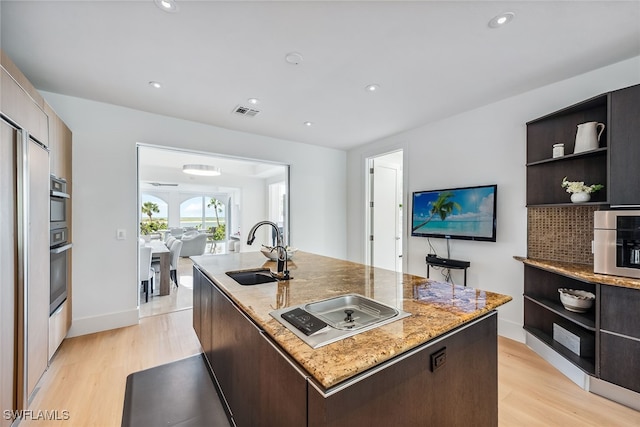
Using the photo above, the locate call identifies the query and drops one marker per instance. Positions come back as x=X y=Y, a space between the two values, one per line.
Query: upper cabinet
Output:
x=624 y=132
x=59 y=145
x=610 y=163
x=22 y=103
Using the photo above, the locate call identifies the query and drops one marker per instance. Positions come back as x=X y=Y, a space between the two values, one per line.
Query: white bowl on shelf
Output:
x=272 y=253
x=577 y=301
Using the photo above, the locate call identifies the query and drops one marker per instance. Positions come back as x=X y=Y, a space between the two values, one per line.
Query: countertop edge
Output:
x=583 y=272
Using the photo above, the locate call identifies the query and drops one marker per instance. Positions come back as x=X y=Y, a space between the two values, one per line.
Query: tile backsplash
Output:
x=561 y=233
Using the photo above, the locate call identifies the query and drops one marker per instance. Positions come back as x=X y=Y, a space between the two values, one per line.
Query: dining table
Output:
x=160 y=250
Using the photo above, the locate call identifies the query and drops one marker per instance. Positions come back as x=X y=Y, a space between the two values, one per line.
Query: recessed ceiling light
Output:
x=202 y=170
x=253 y=101
x=293 y=58
x=167 y=5
x=372 y=87
x=157 y=85
x=502 y=19
x=308 y=124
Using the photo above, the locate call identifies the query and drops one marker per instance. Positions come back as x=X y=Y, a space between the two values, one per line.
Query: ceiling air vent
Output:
x=246 y=111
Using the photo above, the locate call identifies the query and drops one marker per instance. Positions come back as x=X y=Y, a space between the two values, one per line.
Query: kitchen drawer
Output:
x=57 y=328
x=619 y=310
x=620 y=361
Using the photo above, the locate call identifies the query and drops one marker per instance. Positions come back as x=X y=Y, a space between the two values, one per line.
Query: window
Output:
x=163 y=207
x=196 y=212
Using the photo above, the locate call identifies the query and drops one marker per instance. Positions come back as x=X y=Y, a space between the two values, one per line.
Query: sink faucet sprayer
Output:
x=283 y=272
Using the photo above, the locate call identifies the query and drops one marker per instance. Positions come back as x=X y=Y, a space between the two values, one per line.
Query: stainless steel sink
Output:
x=345 y=316
x=252 y=277
x=351 y=312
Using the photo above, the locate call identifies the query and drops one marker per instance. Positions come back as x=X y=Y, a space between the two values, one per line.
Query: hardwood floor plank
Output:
x=534 y=393
x=87 y=378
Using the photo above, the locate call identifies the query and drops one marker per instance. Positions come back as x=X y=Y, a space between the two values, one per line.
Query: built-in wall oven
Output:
x=616 y=243
x=59 y=243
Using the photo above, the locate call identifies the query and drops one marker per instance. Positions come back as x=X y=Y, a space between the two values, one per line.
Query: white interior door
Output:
x=386 y=194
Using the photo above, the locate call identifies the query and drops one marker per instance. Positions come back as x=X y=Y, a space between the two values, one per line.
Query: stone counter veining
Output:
x=438 y=308
x=582 y=272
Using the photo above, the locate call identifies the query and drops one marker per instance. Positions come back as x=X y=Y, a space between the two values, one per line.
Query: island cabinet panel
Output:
x=625 y=147
x=197 y=312
x=258 y=383
x=409 y=393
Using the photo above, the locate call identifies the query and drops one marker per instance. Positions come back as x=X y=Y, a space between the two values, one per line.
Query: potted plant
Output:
x=580 y=192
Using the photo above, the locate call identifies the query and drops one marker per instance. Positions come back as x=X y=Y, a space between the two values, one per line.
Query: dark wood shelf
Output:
x=584 y=363
x=555 y=205
x=598 y=101
x=597 y=151
x=584 y=320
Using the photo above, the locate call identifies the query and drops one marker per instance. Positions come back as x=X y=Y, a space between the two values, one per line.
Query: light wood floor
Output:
x=87 y=377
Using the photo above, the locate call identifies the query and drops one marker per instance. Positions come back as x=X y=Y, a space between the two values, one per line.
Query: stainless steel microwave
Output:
x=59 y=199
x=616 y=243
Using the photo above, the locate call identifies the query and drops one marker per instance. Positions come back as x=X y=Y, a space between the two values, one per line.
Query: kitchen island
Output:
x=437 y=366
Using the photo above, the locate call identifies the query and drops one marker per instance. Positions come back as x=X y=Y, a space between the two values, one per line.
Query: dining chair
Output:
x=175 y=249
x=146 y=272
x=174 y=256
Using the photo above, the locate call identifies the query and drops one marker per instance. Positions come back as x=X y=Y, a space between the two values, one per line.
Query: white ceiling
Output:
x=431 y=59
x=161 y=168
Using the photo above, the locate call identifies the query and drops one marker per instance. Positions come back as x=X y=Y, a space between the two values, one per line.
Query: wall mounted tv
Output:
x=467 y=213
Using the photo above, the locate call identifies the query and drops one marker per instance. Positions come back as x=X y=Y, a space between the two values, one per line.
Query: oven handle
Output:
x=61 y=249
x=60 y=194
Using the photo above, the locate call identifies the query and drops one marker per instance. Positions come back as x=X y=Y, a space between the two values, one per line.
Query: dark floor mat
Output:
x=180 y=393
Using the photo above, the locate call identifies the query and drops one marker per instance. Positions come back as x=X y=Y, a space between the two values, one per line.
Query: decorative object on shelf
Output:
x=588 y=137
x=581 y=197
x=580 y=193
x=576 y=300
x=558 y=150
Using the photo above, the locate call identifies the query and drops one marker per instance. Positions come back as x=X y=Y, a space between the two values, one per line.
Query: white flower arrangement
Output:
x=580 y=187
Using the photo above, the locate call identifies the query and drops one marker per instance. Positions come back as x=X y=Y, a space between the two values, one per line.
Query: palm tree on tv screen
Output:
x=443 y=207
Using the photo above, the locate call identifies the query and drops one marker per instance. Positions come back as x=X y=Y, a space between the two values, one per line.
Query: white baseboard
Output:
x=616 y=393
x=511 y=330
x=90 y=325
x=571 y=371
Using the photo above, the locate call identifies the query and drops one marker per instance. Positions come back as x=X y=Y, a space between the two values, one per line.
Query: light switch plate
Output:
x=121 y=234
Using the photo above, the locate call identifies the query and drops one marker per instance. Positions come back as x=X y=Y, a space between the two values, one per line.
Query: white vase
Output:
x=580 y=197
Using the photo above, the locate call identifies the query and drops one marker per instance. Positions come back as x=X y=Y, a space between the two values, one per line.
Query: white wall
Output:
x=104 y=272
x=483 y=146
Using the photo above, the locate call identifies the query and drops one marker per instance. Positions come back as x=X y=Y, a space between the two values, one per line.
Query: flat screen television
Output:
x=467 y=213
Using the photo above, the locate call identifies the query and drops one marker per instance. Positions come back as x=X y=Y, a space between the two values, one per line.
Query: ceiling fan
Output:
x=162 y=184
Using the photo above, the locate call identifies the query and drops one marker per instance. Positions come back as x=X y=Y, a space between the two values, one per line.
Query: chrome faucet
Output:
x=283 y=272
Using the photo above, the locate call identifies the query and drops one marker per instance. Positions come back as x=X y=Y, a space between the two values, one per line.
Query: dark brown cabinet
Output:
x=612 y=164
x=620 y=336
x=624 y=131
x=259 y=384
x=545 y=173
x=543 y=309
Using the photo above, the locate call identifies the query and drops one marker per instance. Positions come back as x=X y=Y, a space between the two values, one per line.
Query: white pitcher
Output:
x=588 y=137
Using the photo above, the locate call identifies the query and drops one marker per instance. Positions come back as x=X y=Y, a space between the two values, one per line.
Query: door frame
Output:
x=368 y=209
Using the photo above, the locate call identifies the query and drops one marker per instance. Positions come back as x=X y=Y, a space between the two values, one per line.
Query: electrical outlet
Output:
x=438 y=359
x=121 y=234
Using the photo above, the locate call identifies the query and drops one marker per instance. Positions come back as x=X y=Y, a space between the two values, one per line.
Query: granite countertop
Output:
x=582 y=272
x=441 y=308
